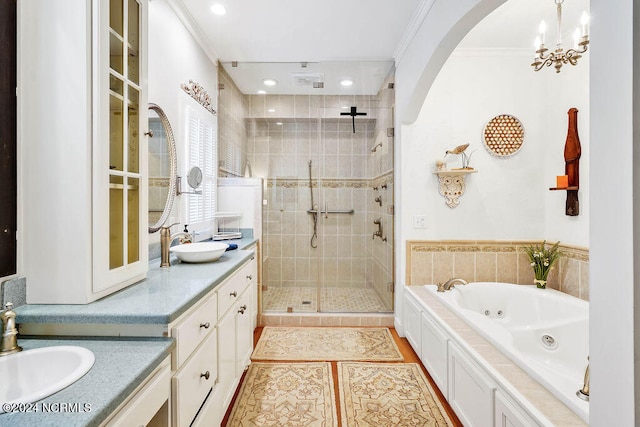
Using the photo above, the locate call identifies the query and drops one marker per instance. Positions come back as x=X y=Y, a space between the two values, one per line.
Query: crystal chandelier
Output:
x=559 y=56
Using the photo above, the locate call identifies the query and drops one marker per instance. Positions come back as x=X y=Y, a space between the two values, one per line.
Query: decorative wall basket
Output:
x=503 y=135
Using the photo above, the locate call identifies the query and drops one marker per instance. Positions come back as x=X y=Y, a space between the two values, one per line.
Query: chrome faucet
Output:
x=9 y=340
x=449 y=284
x=583 y=393
x=166 y=238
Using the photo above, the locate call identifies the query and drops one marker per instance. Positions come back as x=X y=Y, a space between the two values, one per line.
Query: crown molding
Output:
x=192 y=27
x=422 y=11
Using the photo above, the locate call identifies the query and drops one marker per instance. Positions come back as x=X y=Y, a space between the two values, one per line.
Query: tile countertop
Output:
x=159 y=299
x=121 y=365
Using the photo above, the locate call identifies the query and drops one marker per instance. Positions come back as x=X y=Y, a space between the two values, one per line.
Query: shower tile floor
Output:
x=305 y=300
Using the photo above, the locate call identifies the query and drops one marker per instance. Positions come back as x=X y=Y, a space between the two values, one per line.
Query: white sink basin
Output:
x=199 y=252
x=32 y=375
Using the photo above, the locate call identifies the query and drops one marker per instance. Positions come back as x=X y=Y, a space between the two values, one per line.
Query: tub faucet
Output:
x=9 y=339
x=583 y=393
x=166 y=238
x=449 y=284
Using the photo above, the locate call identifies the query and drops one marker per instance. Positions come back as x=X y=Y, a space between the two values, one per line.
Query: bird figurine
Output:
x=458 y=150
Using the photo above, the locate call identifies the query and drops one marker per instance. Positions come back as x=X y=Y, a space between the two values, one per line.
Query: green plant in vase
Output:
x=542 y=259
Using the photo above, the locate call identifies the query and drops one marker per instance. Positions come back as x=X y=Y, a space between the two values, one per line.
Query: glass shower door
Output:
x=353 y=197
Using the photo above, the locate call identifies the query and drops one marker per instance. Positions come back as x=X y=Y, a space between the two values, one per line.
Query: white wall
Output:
x=175 y=57
x=614 y=204
x=611 y=206
x=509 y=197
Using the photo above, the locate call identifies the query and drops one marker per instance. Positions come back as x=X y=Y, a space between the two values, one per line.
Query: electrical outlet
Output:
x=419 y=221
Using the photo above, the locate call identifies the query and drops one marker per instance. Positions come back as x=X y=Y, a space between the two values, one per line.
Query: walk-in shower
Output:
x=328 y=221
x=325 y=154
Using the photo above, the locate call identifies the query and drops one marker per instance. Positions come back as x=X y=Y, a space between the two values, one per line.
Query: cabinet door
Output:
x=120 y=163
x=434 y=352
x=412 y=323
x=510 y=414
x=226 y=357
x=194 y=380
x=244 y=327
x=470 y=390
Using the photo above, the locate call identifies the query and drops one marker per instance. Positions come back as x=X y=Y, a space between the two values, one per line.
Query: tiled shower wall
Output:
x=232 y=132
x=430 y=262
x=284 y=135
x=248 y=130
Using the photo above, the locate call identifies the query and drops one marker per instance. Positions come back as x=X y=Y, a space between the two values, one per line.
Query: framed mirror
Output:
x=163 y=168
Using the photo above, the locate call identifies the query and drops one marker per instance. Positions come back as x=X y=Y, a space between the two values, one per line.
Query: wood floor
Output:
x=409 y=357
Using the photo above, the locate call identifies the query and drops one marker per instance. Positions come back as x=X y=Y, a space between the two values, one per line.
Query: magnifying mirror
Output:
x=194 y=177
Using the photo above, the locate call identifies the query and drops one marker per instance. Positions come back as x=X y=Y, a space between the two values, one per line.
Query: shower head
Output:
x=375 y=147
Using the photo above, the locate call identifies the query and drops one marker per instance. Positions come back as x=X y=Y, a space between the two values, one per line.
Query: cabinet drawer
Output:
x=146 y=401
x=192 y=330
x=194 y=381
x=229 y=292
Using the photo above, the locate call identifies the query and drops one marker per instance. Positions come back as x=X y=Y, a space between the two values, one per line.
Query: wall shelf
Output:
x=451 y=184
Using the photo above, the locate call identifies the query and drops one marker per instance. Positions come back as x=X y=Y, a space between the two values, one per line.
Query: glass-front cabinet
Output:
x=83 y=115
x=122 y=99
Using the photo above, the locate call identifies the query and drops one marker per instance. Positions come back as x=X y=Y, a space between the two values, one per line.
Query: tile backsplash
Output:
x=433 y=261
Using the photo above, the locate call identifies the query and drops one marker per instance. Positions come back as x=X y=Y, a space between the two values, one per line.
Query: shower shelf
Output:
x=335 y=211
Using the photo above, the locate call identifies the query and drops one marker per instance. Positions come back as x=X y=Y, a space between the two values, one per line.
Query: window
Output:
x=202 y=149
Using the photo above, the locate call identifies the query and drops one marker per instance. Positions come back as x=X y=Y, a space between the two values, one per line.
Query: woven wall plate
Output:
x=503 y=135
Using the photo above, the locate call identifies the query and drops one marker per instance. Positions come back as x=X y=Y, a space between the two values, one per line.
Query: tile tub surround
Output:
x=499 y=366
x=120 y=366
x=433 y=261
x=152 y=303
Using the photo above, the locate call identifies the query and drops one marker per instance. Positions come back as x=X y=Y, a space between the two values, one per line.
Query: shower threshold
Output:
x=305 y=300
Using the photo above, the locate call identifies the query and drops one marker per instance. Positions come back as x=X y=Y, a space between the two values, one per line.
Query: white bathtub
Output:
x=543 y=331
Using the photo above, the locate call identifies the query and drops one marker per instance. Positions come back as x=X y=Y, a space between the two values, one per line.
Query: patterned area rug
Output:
x=388 y=394
x=363 y=344
x=286 y=395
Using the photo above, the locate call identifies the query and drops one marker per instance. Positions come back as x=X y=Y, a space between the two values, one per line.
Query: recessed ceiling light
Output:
x=218 y=9
x=271 y=110
x=262 y=92
x=269 y=82
x=346 y=82
x=279 y=123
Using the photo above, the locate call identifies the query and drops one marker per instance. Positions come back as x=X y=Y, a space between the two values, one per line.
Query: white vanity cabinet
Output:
x=236 y=299
x=195 y=362
x=148 y=405
x=82 y=118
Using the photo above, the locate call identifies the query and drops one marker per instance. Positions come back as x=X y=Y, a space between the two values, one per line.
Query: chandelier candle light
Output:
x=559 y=56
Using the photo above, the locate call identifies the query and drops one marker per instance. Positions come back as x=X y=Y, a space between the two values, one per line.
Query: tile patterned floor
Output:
x=305 y=300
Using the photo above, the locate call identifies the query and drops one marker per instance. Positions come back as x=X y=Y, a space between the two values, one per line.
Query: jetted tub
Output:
x=543 y=331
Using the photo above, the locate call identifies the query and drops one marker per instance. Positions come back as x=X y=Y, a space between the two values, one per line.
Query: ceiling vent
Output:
x=307 y=79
